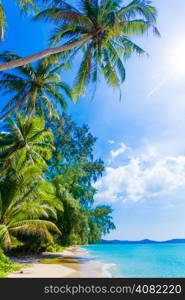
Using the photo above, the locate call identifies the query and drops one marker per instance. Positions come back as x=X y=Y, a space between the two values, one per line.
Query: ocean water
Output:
x=138 y=260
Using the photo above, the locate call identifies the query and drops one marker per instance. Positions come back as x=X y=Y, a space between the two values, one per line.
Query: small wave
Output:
x=106 y=270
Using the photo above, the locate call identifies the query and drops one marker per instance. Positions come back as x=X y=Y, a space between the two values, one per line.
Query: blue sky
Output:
x=142 y=138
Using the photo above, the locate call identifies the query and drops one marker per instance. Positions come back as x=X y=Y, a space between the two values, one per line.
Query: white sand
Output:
x=38 y=270
x=77 y=269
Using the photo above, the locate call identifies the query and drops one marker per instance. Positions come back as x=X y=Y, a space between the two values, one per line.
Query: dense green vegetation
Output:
x=46 y=184
x=6 y=266
x=47 y=165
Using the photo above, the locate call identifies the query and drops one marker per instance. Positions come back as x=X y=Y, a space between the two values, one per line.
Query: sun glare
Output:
x=176 y=58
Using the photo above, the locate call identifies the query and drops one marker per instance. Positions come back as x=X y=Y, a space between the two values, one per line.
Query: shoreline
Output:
x=74 y=262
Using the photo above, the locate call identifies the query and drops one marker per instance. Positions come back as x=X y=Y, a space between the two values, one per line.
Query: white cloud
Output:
x=111 y=142
x=119 y=151
x=145 y=176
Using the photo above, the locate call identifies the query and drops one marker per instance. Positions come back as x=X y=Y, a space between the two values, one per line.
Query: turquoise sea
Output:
x=138 y=260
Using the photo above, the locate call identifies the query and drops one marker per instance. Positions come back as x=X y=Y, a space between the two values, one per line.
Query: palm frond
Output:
x=83 y=76
x=2 y=22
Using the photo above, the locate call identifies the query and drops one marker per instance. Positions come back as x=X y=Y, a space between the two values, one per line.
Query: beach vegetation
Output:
x=6 y=266
x=46 y=186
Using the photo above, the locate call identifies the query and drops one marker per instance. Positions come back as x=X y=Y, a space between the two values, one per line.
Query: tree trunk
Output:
x=26 y=60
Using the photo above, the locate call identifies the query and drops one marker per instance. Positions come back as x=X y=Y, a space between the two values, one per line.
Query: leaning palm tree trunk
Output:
x=29 y=59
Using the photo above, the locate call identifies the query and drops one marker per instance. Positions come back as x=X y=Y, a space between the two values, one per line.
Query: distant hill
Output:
x=146 y=241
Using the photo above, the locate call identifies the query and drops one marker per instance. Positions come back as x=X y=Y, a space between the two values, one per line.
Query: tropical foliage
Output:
x=46 y=185
x=6 y=266
x=109 y=26
x=27 y=139
x=102 y=30
x=77 y=170
x=25 y=196
x=37 y=89
x=25 y=6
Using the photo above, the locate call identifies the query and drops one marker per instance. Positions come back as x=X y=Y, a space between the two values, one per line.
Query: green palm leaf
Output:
x=111 y=26
x=26 y=135
x=30 y=86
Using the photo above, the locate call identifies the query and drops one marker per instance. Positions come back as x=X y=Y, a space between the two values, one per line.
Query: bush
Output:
x=3 y=257
x=6 y=266
x=54 y=248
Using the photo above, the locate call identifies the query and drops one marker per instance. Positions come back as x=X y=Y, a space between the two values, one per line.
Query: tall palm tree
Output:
x=25 y=6
x=27 y=138
x=102 y=29
x=26 y=202
x=35 y=88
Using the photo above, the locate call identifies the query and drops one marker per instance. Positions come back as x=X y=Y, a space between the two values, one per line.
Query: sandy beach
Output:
x=72 y=263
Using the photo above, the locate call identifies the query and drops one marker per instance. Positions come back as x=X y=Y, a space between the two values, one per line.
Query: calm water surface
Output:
x=149 y=260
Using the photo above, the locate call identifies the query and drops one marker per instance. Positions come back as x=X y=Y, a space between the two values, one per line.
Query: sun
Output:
x=176 y=58
x=171 y=65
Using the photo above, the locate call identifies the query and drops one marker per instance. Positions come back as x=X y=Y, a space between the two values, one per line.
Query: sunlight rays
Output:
x=173 y=62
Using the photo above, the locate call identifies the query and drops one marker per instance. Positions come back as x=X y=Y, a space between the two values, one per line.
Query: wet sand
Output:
x=72 y=263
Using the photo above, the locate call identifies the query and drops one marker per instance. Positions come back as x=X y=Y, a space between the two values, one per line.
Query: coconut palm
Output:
x=26 y=202
x=109 y=27
x=27 y=138
x=25 y=6
x=35 y=89
x=101 y=29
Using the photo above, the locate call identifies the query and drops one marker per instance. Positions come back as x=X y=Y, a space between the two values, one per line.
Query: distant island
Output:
x=145 y=241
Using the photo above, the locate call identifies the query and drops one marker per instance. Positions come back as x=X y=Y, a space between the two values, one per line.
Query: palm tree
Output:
x=26 y=202
x=101 y=29
x=35 y=89
x=25 y=6
x=27 y=138
x=2 y=21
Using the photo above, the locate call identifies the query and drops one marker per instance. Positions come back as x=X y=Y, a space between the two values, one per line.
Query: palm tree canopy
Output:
x=35 y=88
x=109 y=27
x=25 y=6
x=26 y=202
x=27 y=138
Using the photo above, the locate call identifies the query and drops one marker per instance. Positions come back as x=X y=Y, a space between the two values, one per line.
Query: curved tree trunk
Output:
x=26 y=60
